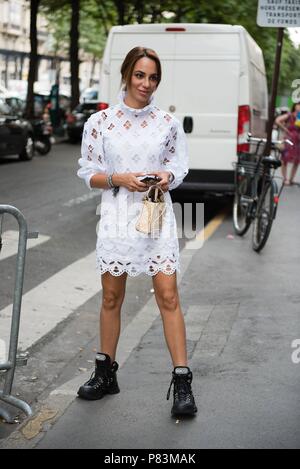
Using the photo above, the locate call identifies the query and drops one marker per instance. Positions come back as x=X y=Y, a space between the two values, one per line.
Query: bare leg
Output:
x=110 y=314
x=293 y=172
x=166 y=294
x=284 y=173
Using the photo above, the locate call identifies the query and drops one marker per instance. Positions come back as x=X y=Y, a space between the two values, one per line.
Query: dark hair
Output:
x=130 y=60
x=293 y=108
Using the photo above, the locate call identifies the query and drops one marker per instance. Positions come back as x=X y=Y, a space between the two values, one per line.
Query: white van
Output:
x=213 y=80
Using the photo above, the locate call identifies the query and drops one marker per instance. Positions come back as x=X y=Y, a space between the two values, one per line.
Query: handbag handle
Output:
x=156 y=188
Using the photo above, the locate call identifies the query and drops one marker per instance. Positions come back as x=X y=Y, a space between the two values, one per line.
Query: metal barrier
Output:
x=8 y=368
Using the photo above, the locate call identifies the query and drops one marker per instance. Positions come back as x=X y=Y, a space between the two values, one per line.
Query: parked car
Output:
x=16 y=104
x=41 y=124
x=214 y=82
x=42 y=106
x=77 y=118
x=16 y=134
x=3 y=90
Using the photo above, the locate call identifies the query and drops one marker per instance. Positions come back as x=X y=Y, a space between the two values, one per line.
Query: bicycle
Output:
x=256 y=191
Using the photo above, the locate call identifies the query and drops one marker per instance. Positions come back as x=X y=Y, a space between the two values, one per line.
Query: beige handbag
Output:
x=153 y=209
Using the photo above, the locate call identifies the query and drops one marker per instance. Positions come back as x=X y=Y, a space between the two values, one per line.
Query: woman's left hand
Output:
x=165 y=179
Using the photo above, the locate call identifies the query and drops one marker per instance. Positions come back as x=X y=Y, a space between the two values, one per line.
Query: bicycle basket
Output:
x=247 y=164
x=247 y=168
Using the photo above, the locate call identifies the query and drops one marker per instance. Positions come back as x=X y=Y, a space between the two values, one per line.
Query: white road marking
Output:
x=82 y=198
x=52 y=301
x=10 y=240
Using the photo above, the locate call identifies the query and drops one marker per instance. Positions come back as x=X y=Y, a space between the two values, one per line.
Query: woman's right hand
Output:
x=130 y=181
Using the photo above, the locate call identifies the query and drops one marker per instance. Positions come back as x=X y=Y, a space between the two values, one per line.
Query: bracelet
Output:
x=171 y=177
x=111 y=184
x=109 y=181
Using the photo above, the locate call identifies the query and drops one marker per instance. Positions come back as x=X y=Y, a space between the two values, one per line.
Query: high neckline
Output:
x=135 y=111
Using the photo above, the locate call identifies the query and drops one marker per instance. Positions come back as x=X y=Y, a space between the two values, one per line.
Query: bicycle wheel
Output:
x=266 y=209
x=241 y=206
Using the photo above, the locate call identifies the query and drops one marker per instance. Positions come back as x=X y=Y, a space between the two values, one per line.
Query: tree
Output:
x=58 y=25
x=71 y=9
x=74 y=49
x=96 y=20
x=33 y=60
x=244 y=13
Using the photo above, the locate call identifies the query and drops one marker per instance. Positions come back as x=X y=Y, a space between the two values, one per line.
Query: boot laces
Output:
x=101 y=378
x=182 y=386
x=96 y=380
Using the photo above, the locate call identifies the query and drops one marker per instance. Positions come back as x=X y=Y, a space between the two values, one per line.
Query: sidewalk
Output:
x=242 y=311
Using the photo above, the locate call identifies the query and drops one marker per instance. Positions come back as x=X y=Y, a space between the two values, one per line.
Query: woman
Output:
x=290 y=124
x=120 y=145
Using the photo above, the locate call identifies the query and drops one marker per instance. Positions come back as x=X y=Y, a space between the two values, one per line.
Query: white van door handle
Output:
x=188 y=124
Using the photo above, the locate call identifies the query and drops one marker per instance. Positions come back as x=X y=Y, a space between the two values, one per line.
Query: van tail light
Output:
x=243 y=129
x=176 y=30
x=102 y=106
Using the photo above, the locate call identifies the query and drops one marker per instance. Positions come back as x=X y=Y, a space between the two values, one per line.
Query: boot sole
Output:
x=184 y=412
x=96 y=398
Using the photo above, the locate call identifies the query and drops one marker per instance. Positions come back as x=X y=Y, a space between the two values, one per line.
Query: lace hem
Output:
x=117 y=268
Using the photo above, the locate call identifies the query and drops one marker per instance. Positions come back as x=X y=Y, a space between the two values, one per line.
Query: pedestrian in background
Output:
x=290 y=124
x=119 y=145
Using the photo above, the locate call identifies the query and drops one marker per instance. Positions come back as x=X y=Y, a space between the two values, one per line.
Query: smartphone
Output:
x=149 y=179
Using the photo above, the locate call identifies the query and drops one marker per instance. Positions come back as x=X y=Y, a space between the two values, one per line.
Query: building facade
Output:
x=15 y=48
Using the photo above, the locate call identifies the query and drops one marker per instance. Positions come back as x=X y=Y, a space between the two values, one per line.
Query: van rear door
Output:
x=206 y=88
x=258 y=88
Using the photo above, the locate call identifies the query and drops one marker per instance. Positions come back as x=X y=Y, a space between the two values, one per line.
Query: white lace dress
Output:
x=121 y=139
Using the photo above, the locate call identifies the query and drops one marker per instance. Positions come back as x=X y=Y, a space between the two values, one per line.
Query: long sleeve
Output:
x=176 y=154
x=92 y=159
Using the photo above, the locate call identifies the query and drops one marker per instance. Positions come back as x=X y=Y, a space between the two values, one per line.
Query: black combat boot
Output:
x=184 y=403
x=103 y=380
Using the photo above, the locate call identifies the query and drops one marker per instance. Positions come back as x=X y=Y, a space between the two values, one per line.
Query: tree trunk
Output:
x=92 y=71
x=140 y=9
x=74 y=51
x=178 y=15
x=156 y=13
x=120 y=6
x=33 y=60
x=57 y=70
